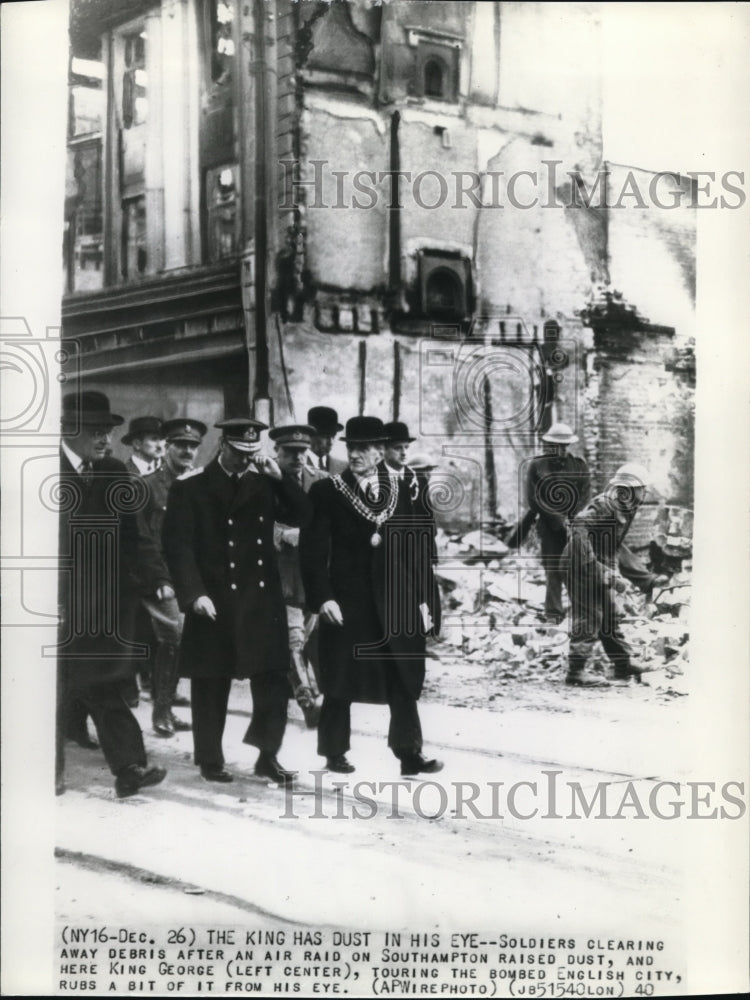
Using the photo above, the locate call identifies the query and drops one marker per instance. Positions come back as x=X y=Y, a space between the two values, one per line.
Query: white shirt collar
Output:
x=143 y=466
x=75 y=460
x=250 y=468
x=395 y=473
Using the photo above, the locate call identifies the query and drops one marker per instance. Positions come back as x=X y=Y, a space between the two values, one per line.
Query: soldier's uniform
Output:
x=594 y=551
x=164 y=612
x=557 y=486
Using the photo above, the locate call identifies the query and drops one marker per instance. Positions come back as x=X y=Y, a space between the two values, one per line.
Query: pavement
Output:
x=375 y=850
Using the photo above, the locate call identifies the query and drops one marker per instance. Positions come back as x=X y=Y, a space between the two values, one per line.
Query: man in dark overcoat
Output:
x=366 y=568
x=183 y=437
x=218 y=542
x=595 y=551
x=99 y=588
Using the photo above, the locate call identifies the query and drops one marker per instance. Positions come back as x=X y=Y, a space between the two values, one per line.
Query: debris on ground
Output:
x=495 y=632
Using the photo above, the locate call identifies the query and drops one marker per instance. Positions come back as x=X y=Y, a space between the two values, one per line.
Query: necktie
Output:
x=87 y=472
x=322 y=462
x=372 y=491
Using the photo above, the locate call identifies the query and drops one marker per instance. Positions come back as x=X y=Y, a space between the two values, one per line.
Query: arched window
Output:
x=434 y=78
x=444 y=295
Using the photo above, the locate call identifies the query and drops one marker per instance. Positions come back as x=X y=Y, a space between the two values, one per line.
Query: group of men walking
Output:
x=234 y=564
x=307 y=575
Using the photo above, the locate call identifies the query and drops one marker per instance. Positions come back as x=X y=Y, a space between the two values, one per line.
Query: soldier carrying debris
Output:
x=595 y=548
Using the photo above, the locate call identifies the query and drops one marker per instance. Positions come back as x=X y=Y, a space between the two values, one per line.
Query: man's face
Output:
x=561 y=450
x=91 y=443
x=291 y=460
x=234 y=460
x=181 y=455
x=321 y=444
x=364 y=457
x=395 y=454
x=149 y=447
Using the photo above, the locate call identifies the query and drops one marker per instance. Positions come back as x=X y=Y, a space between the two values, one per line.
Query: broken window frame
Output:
x=217 y=207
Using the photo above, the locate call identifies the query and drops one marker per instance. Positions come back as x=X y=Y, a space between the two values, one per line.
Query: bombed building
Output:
x=401 y=209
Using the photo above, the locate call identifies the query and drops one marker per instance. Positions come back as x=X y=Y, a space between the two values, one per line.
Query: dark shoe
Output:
x=82 y=738
x=624 y=675
x=180 y=701
x=162 y=722
x=339 y=764
x=133 y=778
x=217 y=774
x=416 y=763
x=59 y=786
x=179 y=725
x=267 y=766
x=585 y=680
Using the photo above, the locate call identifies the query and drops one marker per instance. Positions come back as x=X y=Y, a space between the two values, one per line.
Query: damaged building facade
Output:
x=383 y=208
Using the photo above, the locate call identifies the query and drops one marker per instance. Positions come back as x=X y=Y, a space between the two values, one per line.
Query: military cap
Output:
x=184 y=429
x=293 y=435
x=325 y=420
x=242 y=433
x=139 y=426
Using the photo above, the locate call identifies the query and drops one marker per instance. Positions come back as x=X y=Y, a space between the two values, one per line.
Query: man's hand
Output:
x=268 y=465
x=330 y=612
x=164 y=593
x=204 y=607
x=290 y=536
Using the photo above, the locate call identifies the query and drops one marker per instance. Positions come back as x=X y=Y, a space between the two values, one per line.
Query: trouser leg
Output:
x=615 y=645
x=555 y=575
x=163 y=678
x=585 y=614
x=60 y=728
x=334 y=727
x=209 y=697
x=119 y=734
x=404 y=730
x=270 y=692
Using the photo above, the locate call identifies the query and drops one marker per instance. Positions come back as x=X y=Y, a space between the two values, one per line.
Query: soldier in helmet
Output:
x=594 y=551
x=557 y=486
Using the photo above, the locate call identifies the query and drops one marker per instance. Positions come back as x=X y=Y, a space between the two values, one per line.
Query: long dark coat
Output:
x=379 y=590
x=219 y=543
x=99 y=584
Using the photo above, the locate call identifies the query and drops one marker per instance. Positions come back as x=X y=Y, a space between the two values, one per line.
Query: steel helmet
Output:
x=631 y=474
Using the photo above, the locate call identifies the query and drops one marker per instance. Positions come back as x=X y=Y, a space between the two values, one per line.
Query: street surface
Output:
x=247 y=851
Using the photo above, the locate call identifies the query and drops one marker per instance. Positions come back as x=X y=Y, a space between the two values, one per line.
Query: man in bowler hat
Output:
x=98 y=589
x=146 y=439
x=366 y=567
x=218 y=542
x=325 y=423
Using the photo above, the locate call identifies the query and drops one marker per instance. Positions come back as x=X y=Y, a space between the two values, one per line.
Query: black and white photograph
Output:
x=374 y=446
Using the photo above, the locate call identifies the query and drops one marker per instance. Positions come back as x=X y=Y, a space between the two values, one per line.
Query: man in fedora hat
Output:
x=99 y=588
x=367 y=571
x=146 y=439
x=218 y=542
x=183 y=437
x=557 y=486
x=292 y=442
x=325 y=423
x=595 y=551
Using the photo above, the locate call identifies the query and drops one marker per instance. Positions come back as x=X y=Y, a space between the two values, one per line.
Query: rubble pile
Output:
x=495 y=630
